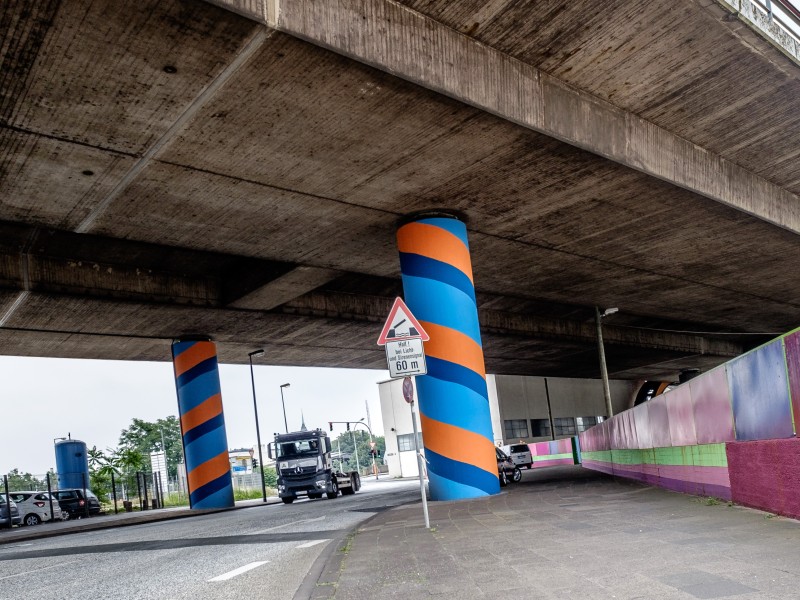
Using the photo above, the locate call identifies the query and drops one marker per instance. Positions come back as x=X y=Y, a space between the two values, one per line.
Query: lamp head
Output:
x=259 y=352
x=609 y=311
x=286 y=385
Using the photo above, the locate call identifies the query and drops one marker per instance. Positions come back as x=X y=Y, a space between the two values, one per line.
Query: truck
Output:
x=304 y=467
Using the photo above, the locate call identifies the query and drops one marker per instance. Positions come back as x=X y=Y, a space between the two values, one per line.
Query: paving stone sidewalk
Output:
x=569 y=533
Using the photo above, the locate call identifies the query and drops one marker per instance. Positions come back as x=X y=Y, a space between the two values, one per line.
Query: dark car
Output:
x=506 y=470
x=74 y=503
x=16 y=518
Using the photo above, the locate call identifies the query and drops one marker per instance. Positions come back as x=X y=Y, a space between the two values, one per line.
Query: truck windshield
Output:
x=298 y=448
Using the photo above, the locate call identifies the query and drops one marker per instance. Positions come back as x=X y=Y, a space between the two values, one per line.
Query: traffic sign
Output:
x=405 y=357
x=401 y=325
x=408 y=390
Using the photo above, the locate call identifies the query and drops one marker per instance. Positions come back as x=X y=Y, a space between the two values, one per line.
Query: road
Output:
x=261 y=552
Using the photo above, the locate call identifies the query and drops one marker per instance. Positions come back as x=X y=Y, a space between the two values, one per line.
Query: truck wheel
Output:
x=356 y=479
x=287 y=500
x=334 y=490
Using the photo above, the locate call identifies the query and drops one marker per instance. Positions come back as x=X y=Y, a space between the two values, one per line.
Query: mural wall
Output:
x=729 y=433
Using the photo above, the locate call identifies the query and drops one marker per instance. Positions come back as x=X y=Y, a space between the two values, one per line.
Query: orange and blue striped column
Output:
x=205 y=444
x=453 y=399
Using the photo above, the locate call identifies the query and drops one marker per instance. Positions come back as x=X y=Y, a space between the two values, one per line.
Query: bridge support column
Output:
x=453 y=399
x=205 y=445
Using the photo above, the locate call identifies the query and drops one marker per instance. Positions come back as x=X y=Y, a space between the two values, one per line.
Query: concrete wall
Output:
x=728 y=433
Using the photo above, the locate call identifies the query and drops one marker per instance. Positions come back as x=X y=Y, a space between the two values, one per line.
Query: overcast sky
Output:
x=94 y=400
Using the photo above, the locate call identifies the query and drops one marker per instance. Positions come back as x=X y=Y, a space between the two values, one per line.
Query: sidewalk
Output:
x=123 y=519
x=566 y=532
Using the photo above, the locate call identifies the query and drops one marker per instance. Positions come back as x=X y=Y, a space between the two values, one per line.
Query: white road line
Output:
x=260 y=531
x=311 y=543
x=38 y=570
x=239 y=571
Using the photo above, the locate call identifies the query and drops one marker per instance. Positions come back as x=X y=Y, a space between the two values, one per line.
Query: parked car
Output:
x=520 y=455
x=506 y=470
x=35 y=507
x=4 y=517
x=74 y=504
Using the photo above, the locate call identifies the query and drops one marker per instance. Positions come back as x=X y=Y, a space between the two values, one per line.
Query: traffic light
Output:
x=255 y=463
x=348 y=426
x=330 y=424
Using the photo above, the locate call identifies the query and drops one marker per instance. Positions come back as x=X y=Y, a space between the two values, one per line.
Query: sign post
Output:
x=408 y=394
x=402 y=337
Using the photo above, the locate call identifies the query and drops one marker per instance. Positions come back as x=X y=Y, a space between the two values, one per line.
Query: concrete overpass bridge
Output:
x=238 y=168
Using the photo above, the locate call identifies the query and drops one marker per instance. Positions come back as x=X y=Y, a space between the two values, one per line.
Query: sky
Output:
x=94 y=400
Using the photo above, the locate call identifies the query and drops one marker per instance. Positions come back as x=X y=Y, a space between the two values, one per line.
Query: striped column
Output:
x=453 y=399
x=205 y=444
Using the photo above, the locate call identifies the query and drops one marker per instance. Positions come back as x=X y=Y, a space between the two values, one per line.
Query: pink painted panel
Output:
x=659 y=422
x=681 y=416
x=713 y=414
x=765 y=474
x=631 y=439
x=642 y=424
x=792 y=346
x=616 y=432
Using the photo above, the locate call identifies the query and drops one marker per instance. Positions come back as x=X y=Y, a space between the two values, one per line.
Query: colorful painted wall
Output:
x=729 y=433
x=556 y=452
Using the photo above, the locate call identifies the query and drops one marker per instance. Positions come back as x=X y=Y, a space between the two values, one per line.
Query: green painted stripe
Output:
x=705 y=455
x=552 y=457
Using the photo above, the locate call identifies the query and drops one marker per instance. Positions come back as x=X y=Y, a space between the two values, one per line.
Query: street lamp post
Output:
x=250 y=355
x=602 y=353
x=285 y=423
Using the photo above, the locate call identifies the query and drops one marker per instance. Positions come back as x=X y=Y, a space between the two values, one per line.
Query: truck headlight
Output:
x=321 y=483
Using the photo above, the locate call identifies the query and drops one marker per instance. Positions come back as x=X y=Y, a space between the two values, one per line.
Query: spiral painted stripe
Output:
x=454 y=405
x=205 y=444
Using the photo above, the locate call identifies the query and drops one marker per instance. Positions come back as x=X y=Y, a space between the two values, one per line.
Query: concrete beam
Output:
x=297 y=282
x=391 y=37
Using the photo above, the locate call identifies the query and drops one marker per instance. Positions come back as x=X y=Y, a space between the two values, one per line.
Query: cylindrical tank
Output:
x=72 y=464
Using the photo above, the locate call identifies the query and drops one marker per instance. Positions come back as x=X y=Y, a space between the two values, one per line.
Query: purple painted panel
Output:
x=681 y=416
x=642 y=423
x=631 y=438
x=659 y=422
x=760 y=394
x=713 y=415
x=792 y=347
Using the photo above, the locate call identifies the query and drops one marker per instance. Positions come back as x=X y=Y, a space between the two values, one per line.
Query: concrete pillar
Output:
x=205 y=444
x=453 y=399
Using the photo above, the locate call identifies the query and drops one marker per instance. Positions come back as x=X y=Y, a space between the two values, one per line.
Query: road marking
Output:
x=311 y=543
x=38 y=570
x=286 y=525
x=239 y=571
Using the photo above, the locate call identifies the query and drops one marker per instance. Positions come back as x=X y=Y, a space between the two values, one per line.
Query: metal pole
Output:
x=339 y=446
x=258 y=431
x=419 y=467
x=8 y=502
x=603 y=371
x=372 y=447
x=549 y=410
x=144 y=480
x=114 y=492
x=355 y=449
x=283 y=404
x=139 y=491
x=50 y=496
x=160 y=490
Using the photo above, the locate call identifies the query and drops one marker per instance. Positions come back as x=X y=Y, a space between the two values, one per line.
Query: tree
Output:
x=24 y=481
x=345 y=442
x=146 y=437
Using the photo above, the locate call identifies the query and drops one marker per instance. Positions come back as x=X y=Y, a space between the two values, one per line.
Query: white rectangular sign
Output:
x=405 y=357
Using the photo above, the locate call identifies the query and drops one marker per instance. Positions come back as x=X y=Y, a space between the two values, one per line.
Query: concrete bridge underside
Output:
x=171 y=167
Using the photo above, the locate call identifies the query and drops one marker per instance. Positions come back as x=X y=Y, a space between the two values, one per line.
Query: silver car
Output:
x=35 y=507
x=4 y=516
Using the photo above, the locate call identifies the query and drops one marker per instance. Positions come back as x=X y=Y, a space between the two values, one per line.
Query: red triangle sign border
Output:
x=416 y=330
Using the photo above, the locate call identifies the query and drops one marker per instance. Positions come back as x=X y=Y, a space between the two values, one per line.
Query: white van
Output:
x=520 y=455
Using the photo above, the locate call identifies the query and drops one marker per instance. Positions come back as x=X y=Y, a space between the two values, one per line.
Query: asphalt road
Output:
x=262 y=552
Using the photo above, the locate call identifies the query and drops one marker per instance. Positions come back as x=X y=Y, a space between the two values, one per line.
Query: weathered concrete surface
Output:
x=173 y=167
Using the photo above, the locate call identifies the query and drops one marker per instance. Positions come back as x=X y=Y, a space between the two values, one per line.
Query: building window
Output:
x=405 y=442
x=585 y=423
x=564 y=426
x=540 y=427
x=516 y=428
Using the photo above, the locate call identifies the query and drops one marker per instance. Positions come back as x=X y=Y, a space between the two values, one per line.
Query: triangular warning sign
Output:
x=401 y=325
